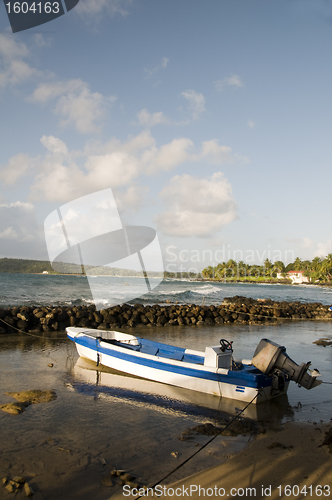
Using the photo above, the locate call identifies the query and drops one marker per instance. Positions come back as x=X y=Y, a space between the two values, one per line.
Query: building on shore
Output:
x=296 y=277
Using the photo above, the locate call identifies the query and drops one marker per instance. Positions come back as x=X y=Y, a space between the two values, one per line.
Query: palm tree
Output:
x=279 y=266
x=326 y=267
x=208 y=272
x=316 y=264
x=298 y=264
x=242 y=268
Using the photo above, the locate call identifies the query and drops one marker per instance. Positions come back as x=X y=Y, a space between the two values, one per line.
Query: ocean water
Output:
x=38 y=289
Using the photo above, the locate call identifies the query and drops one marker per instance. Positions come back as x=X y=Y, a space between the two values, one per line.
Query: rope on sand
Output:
x=204 y=445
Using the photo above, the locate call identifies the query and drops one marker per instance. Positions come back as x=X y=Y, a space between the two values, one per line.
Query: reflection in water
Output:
x=89 y=379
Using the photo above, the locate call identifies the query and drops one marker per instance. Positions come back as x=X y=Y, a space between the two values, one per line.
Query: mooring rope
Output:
x=203 y=446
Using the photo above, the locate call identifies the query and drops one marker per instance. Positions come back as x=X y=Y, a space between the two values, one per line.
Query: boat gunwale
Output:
x=232 y=377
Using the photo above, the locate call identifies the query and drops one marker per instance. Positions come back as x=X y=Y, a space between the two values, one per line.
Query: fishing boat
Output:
x=215 y=371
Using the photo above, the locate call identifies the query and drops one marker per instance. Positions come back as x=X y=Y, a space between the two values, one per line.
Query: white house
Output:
x=296 y=277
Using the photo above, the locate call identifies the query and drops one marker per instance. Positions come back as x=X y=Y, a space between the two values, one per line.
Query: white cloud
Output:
x=169 y=155
x=311 y=247
x=251 y=124
x=9 y=234
x=75 y=103
x=215 y=153
x=132 y=198
x=195 y=107
x=115 y=164
x=161 y=66
x=196 y=102
x=323 y=248
x=54 y=145
x=20 y=234
x=13 y=67
x=11 y=48
x=18 y=166
x=196 y=207
x=229 y=81
x=151 y=119
x=26 y=206
x=307 y=243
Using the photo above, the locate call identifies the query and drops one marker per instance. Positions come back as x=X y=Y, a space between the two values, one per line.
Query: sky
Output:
x=210 y=122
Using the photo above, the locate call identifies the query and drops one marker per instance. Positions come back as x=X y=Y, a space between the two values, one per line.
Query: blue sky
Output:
x=210 y=121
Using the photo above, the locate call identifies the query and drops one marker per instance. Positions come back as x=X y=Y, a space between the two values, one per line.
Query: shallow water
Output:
x=134 y=424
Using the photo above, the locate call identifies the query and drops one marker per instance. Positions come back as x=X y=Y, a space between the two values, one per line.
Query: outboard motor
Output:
x=270 y=357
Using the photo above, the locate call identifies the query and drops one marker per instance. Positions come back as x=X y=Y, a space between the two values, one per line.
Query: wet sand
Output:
x=287 y=455
x=71 y=467
x=288 y=463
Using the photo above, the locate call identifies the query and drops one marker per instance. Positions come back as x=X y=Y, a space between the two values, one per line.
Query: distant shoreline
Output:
x=196 y=280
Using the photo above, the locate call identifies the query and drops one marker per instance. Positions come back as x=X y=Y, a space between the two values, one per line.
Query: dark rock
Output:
x=22 y=325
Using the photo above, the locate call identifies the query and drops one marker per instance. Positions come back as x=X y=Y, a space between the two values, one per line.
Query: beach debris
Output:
x=14 y=408
x=28 y=490
x=26 y=398
x=117 y=472
x=127 y=477
x=19 y=479
x=103 y=461
x=323 y=341
x=175 y=454
x=10 y=487
x=33 y=396
x=239 y=426
x=15 y=483
x=50 y=365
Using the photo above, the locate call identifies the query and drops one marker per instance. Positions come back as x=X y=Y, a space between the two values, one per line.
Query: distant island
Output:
x=27 y=266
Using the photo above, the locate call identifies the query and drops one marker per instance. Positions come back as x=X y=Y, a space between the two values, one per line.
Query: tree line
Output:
x=318 y=269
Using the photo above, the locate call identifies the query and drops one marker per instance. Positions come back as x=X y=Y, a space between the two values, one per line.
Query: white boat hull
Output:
x=242 y=386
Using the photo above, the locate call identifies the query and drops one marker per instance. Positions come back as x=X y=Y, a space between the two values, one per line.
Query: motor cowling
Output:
x=270 y=356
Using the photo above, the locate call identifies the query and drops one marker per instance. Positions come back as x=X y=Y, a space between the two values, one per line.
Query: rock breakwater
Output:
x=232 y=310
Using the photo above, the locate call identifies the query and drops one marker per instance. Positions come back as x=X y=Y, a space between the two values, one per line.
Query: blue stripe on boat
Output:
x=243 y=377
x=240 y=389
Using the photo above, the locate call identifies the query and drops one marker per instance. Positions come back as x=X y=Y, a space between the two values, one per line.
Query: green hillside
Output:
x=39 y=266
